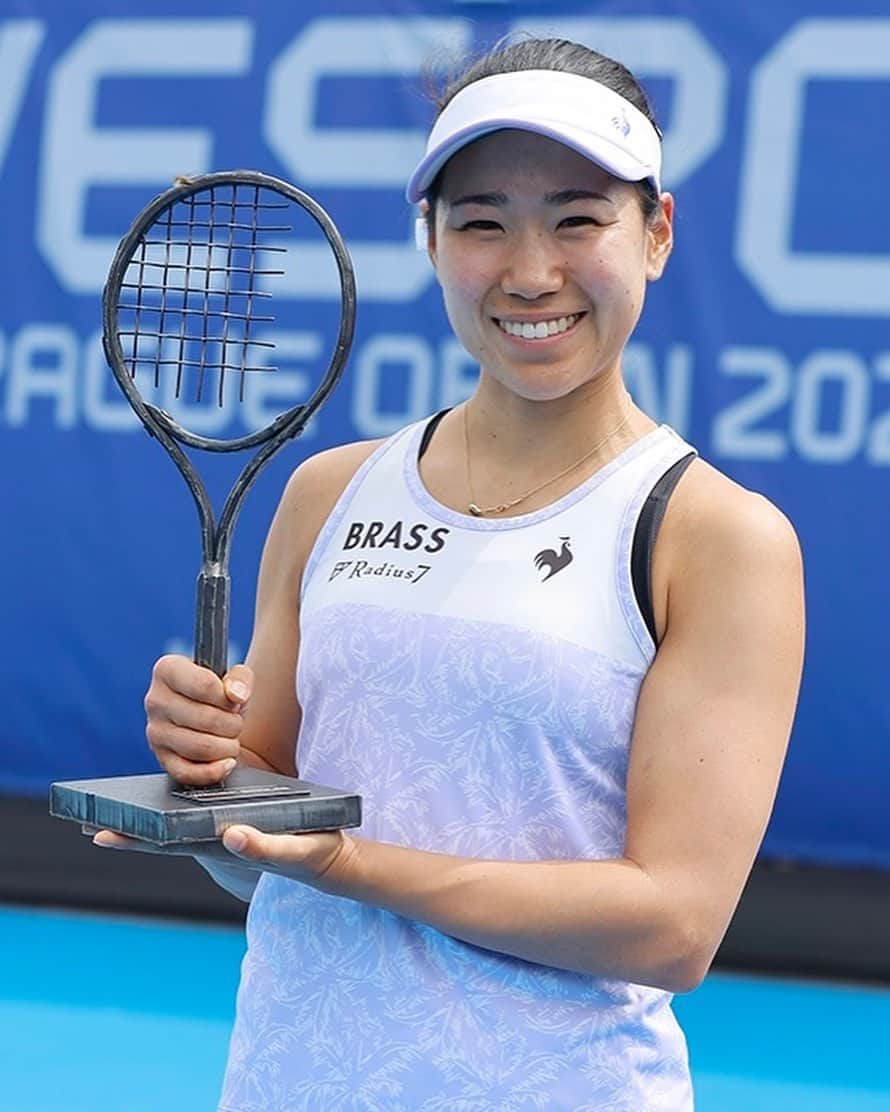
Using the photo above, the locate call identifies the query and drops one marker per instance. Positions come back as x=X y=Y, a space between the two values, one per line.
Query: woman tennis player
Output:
x=556 y=653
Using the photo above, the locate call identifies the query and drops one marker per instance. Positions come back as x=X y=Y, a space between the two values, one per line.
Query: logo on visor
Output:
x=621 y=123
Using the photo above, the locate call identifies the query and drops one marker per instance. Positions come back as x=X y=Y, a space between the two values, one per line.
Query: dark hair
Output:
x=552 y=54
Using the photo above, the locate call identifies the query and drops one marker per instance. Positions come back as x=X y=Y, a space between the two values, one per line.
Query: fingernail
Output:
x=234 y=840
x=239 y=689
x=229 y=766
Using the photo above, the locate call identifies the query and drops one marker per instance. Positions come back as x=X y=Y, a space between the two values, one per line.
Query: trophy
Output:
x=189 y=289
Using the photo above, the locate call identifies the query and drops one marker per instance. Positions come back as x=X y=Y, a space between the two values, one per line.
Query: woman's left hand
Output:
x=321 y=859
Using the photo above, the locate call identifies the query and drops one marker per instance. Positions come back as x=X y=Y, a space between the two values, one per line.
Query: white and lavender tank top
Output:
x=475 y=680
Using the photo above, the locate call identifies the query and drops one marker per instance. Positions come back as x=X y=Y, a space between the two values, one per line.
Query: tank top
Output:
x=475 y=679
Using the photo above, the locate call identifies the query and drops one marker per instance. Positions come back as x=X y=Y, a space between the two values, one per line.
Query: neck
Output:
x=521 y=453
x=553 y=431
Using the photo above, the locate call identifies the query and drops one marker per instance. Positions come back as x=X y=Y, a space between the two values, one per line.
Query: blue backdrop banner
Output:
x=766 y=343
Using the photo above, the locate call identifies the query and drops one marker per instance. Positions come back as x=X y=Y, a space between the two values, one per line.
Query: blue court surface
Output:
x=125 y=1015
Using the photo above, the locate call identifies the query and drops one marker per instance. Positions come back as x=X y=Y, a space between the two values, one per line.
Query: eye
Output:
x=579 y=222
x=480 y=226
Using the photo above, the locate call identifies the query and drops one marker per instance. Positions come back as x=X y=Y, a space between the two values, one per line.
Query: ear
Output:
x=660 y=238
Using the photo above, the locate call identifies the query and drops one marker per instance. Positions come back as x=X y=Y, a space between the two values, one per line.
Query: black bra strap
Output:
x=648 y=524
x=431 y=426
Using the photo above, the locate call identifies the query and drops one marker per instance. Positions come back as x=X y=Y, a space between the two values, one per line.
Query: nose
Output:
x=534 y=268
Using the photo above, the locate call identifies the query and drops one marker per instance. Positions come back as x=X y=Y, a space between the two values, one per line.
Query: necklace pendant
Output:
x=475 y=510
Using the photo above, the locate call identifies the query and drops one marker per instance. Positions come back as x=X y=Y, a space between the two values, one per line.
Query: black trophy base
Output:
x=157 y=809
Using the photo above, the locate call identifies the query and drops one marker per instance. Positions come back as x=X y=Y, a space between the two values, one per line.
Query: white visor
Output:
x=576 y=111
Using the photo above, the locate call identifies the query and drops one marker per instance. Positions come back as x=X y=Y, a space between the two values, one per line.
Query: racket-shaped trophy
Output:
x=191 y=293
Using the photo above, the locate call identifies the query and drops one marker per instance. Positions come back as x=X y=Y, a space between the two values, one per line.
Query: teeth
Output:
x=539 y=331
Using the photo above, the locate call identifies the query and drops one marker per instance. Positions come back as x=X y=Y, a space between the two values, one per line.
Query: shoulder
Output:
x=309 y=497
x=709 y=510
x=720 y=540
x=327 y=474
x=315 y=486
x=706 y=501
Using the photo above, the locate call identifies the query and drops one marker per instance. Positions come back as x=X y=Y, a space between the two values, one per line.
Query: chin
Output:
x=541 y=386
x=542 y=393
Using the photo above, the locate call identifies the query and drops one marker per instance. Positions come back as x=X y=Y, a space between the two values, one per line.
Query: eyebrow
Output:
x=560 y=197
x=566 y=196
x=499 y=199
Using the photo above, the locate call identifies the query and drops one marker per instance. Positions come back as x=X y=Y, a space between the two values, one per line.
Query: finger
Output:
x=193 y=744
x=238 y=684
x=305 y=857
x=109 y=839
x=195 y=774
x=189 y=747
x=278 y=850
x=164 y=705
x=254 y=845
x=195 y=682
x=242 y=840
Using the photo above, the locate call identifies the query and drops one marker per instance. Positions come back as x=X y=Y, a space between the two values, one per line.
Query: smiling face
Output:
x=543 y=259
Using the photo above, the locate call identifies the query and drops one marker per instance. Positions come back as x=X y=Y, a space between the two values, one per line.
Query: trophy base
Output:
x=157 y=809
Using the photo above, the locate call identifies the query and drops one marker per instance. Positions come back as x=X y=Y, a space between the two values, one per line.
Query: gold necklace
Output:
x=482 y=511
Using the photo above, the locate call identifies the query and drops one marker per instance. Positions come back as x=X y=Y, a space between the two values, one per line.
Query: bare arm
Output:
x=711 y=731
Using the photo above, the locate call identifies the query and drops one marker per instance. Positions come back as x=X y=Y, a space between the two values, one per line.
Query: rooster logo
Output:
x=554 y=561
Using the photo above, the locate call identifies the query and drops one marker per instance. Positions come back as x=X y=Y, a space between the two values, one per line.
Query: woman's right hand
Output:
x=194 y=719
